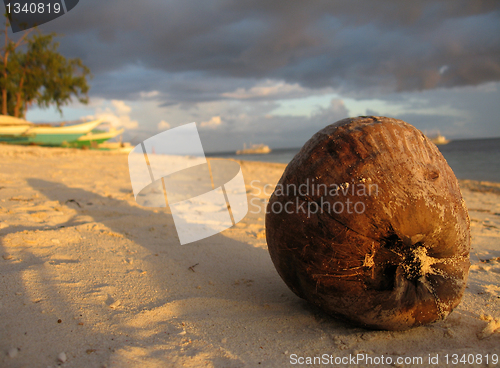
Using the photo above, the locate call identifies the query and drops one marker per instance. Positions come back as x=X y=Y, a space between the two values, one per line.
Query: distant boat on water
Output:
x=254 y=149
x=439 y=139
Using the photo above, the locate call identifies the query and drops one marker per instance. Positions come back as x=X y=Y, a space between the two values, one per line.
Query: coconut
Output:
x=368 y=223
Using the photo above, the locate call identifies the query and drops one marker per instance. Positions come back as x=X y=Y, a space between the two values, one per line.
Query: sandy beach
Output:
x=88 y=278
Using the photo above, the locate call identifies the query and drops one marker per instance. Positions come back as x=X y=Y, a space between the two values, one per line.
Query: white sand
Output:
x=87 y=272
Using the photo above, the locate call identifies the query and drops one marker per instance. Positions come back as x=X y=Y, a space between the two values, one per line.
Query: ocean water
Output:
x=475 y=159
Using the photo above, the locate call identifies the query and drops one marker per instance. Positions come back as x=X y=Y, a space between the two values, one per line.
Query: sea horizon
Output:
x=470 y=159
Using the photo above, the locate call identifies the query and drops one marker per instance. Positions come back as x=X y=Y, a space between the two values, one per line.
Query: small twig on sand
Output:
x=73 y=201
x=193 y=266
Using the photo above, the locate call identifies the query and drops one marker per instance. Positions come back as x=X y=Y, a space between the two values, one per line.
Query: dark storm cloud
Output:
x=477 y=112
x=358 y=47
x=183 y=87
x=276 y=131
x=467 y=112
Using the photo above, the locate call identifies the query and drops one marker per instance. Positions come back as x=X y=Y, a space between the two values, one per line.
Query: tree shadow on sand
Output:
x=154 y=230
x=210 y=283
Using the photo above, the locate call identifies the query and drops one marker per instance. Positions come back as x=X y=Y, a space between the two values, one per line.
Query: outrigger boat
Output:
x=43 y=135
x=11 y=126
x=96 y=137
x=117 y=147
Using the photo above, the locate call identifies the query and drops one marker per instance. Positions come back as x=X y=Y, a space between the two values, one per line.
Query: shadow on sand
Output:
x=236 y=271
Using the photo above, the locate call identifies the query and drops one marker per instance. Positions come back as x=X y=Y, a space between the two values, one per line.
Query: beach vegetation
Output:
x=33 y=72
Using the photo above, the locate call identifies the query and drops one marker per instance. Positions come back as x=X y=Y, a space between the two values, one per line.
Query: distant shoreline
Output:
x=474 y=184
x=282 y=149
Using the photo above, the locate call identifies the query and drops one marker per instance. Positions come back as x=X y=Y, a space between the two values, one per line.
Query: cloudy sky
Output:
x=275 y=72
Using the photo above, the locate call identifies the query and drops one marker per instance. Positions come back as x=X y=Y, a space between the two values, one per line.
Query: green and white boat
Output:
x=45 y=135
x=11 y=126
x=95 y=137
